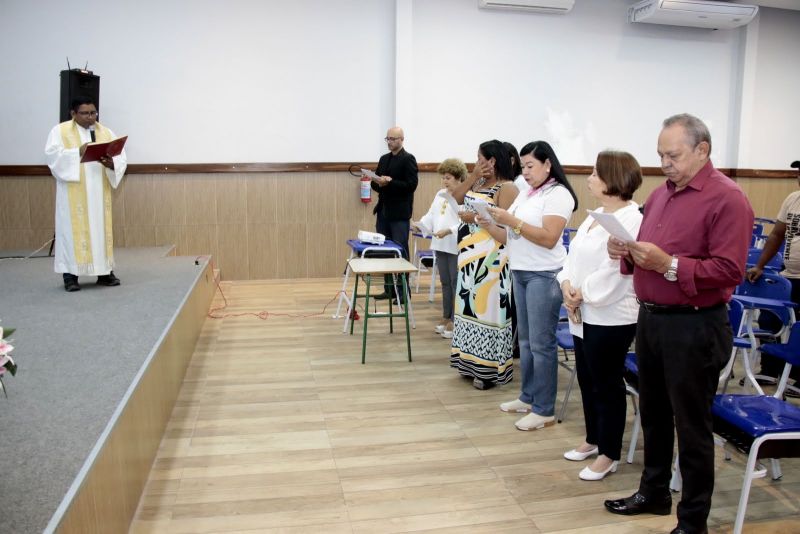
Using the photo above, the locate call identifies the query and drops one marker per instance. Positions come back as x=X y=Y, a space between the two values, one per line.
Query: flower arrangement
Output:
x=7 y=364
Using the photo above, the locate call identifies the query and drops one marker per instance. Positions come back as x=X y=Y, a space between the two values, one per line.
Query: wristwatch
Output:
x=518 y=228
x=672 y=272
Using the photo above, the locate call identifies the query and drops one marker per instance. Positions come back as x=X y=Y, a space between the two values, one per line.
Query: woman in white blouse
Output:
x=532 y=229
x=602 y=310
x=442 y=222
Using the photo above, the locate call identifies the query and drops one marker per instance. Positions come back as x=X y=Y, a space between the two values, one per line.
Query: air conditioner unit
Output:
x=696 y=13
x=535 y=6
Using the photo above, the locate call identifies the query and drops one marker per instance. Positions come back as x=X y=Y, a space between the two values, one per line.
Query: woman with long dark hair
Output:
x=481 y=347
x=534 y=224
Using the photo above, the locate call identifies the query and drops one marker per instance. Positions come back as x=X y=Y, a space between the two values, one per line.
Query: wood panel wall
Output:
x=268 y=225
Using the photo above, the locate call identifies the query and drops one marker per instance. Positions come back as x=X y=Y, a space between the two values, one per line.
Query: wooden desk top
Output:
x=381 y=266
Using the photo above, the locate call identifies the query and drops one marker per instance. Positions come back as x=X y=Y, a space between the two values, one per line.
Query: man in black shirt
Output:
x=398 y=181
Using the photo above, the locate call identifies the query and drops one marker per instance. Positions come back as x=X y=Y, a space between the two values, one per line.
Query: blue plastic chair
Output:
x=389 y=249
x=742 y=342
x=632 y=387
x=770 y=285
x=761 y=426
x=425 y=260
x=775 y=264
x=759 y=238
x=566 y=236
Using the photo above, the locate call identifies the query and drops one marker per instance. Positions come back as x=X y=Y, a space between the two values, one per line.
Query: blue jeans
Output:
x=538 y=299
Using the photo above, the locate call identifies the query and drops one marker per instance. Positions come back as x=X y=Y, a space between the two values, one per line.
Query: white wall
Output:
x=204 y=81
x=770 y=132
x=584 y=81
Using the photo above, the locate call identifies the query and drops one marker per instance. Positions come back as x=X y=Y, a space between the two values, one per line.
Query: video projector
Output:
x=371 y=237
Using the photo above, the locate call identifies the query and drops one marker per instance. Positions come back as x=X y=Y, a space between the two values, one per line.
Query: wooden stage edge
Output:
x=105 y=494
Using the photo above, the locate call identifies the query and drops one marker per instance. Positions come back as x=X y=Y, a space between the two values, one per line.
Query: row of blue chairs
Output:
x=761 y=426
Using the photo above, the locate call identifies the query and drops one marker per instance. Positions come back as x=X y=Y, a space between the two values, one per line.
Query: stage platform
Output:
x=94 y=387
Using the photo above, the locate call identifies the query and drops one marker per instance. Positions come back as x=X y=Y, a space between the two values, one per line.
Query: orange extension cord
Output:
x=213 y=313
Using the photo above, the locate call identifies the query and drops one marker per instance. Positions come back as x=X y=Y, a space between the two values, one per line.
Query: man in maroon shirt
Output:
x=688 y=258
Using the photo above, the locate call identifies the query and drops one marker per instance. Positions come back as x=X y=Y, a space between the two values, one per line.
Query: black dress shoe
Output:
x=681 y=530
x=639 y=504
x=72 y=285
x=108 y=280
x=71 y=282
x=382 y=296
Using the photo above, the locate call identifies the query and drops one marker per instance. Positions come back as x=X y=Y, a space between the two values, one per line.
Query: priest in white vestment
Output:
x=84 y=241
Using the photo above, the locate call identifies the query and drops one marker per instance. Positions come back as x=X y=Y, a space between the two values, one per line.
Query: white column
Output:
x=743 y=134
x=403 y=76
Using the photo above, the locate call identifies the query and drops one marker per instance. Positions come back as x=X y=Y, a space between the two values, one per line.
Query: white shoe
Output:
x=534 y=421
x=516 y=406
x=577 y=456
x=588 y=474
x=439 y=328
x=447 y=334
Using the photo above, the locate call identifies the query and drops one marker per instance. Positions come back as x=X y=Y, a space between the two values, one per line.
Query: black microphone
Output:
x=91 y=132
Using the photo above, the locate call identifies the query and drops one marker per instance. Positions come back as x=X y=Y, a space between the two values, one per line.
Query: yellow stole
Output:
x=78 y=205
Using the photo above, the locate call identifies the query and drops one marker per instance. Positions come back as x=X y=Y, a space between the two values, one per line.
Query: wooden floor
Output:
x=279 y=428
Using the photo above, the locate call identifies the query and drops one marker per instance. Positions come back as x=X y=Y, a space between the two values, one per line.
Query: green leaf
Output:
x=12 y=368
x=8 y=331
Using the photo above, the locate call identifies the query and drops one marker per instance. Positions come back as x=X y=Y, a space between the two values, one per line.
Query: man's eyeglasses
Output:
x=392 y=138
x=87 y=113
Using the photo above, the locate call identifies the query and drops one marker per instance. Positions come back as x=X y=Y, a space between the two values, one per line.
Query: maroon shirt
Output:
x=708 y=226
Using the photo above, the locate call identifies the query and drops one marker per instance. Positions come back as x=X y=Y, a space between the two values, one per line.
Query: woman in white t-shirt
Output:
x=532 y=229
x=603 y=310
x=442 y=222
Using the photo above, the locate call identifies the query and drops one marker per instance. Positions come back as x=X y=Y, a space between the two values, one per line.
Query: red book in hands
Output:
x=95 y=151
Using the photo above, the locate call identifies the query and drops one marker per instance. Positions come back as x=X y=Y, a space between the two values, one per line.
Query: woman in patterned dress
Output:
x=482 y=343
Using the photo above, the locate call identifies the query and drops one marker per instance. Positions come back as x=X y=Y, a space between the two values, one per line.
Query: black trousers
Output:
x=600 y=361
x=397 y=231
x=680 y=357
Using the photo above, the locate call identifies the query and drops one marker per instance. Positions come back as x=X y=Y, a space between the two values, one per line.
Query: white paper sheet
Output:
x=481 y=206
x=612 y=225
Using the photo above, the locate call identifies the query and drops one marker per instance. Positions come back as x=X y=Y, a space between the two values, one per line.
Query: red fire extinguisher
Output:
x=366 y=191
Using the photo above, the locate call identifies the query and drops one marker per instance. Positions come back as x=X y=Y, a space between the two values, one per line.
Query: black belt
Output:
x=678 y=308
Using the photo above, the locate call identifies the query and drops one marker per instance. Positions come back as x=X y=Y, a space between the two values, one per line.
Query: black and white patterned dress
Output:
x=482 y=339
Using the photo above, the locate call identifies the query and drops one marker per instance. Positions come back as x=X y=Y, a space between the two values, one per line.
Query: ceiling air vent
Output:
x=558 y=7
